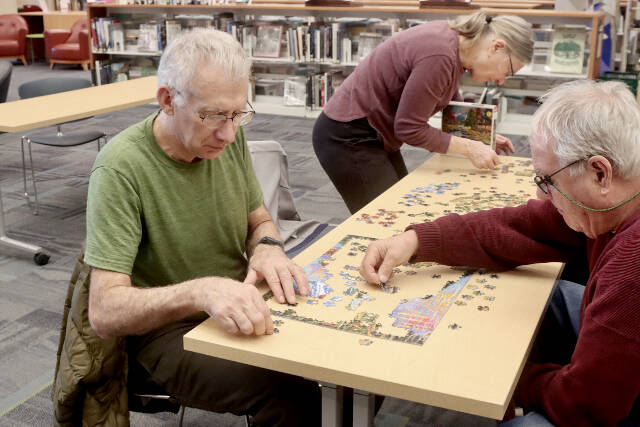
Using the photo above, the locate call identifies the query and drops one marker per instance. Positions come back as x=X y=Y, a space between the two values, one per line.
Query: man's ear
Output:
x=602 y=172
x=165 y=99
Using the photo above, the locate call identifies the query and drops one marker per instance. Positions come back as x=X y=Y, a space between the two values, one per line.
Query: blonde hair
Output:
x=515 y=31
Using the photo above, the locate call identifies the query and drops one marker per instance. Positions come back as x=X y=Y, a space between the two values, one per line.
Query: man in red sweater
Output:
x=585 y=366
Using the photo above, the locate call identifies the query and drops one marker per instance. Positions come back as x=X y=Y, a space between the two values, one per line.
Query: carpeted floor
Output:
x=31 y=297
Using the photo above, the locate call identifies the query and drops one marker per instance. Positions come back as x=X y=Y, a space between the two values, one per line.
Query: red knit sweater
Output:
x=601 y=383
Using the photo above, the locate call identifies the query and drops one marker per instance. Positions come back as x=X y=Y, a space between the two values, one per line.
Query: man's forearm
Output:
x=128 y=310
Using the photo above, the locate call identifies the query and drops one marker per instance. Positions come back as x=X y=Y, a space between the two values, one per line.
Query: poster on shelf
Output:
x=567 y=50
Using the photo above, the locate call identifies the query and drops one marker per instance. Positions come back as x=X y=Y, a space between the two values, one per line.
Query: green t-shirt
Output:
x=162 y=221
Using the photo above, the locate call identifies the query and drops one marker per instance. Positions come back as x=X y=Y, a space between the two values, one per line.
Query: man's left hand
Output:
x=272 y=264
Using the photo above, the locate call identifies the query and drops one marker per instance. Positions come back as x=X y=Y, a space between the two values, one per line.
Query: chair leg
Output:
x=24 y=60
x=84 y=66
x=35 y=209
x=181 y=415
x=51 y=65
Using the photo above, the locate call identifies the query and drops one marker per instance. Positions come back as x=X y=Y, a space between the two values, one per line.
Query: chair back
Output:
x=5 y=79
x=79 y=25
x=51 y=85
x=10 y=26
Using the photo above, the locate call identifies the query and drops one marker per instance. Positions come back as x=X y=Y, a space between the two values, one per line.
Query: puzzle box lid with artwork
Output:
x=471 y=120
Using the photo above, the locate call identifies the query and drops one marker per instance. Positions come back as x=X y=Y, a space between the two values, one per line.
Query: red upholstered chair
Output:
x=13 y=33
x=69 y=46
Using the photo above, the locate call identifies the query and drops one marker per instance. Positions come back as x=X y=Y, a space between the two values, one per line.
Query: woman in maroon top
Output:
x=392 y=93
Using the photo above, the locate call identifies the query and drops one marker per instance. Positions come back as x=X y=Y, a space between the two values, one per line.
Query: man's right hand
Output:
x=237 y=306
x=383 y=255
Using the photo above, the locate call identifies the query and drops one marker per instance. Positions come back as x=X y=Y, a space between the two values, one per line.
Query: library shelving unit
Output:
x=400 y=10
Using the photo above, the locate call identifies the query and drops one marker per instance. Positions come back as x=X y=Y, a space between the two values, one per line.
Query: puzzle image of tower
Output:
x=418 y=296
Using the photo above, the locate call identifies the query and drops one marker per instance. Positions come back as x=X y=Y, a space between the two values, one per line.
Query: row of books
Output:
x=343 y=41
x=109 y=71
x=112 y=34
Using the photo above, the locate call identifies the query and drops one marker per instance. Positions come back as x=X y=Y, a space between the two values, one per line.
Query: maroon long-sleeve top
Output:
x=401 y=84
x=601 y=383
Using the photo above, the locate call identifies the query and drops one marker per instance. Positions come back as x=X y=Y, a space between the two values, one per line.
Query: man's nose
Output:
x=227 y=132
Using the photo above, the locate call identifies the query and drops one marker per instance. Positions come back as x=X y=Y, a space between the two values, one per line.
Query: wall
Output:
x=8 y=6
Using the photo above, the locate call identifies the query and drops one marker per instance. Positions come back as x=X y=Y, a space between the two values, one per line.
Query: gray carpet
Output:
x=31 y=297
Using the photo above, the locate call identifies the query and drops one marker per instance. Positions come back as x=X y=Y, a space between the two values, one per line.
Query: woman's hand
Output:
x=481 y=155
x=504 y=145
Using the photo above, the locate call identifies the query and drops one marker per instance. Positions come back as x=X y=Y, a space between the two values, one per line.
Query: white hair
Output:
x=585 y=118
x=193 y=49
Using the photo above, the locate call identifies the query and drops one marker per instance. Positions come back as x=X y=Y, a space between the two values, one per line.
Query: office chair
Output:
x=5 y=78
x=50 y=86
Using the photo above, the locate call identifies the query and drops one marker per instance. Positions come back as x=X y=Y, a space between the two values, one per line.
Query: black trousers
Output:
x=199 y=381
x=353 y=155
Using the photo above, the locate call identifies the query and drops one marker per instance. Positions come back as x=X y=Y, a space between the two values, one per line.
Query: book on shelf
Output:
x=629 y=78
x=471 y=120
x=268 y=41
x=448 y=3
x=567 y=50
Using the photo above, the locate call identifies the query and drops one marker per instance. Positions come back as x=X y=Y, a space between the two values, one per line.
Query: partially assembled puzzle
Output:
x=414 y=301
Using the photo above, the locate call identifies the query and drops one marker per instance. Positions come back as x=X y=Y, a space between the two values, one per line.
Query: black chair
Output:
x=5 y=79
x=43 y=87
x=147 y=397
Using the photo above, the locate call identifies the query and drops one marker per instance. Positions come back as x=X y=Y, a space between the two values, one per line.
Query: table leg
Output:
x=363 y=408
x=332 y=398
x=39 y=257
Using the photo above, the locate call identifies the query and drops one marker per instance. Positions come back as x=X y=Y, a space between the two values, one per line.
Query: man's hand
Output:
x=236 y=306
x=481 y=155
x=504 y=145
x=273 y=265
x=383 y=255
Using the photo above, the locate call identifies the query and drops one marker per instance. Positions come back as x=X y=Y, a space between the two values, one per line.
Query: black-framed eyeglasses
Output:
x=217 y=120
x=543 y=182
x=511 y=64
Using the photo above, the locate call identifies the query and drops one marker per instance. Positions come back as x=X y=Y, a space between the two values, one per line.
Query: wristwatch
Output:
x=267 y=240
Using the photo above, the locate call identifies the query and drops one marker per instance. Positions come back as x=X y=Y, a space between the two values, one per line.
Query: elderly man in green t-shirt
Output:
x=173 y=207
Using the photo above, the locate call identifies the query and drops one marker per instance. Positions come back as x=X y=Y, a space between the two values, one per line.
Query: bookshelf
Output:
x=400 y=11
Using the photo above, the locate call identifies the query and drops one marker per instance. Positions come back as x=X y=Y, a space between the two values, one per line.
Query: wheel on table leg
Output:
x=41 y=258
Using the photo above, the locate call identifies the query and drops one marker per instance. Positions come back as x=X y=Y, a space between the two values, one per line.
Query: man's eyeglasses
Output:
x=217 y=120
x=511 y=64
x=543 y=182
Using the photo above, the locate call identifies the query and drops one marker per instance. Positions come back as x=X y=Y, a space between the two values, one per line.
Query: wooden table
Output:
x=479 y=328
x=34 y=113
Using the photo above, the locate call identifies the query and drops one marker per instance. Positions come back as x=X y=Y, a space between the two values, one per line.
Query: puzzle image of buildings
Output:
x=413 y=303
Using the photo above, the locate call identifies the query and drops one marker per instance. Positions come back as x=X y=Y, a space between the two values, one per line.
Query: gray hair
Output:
x=193 y=49
x=515 y=31
x=585 y=118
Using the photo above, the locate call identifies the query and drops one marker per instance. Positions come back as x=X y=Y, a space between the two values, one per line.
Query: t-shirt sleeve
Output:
x=114 y=222
x=253 y=186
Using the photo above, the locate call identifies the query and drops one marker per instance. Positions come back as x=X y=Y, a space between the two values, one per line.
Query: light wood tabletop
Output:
x=453 y=338
x=33 y=113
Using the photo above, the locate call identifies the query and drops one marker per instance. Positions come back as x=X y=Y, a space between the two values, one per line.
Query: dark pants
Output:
x=199 y=381
x=353 y=156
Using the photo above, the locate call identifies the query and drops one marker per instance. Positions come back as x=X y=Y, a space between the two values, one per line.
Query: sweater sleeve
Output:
x=500 y=238
x=428 y=86
x=602 y=381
